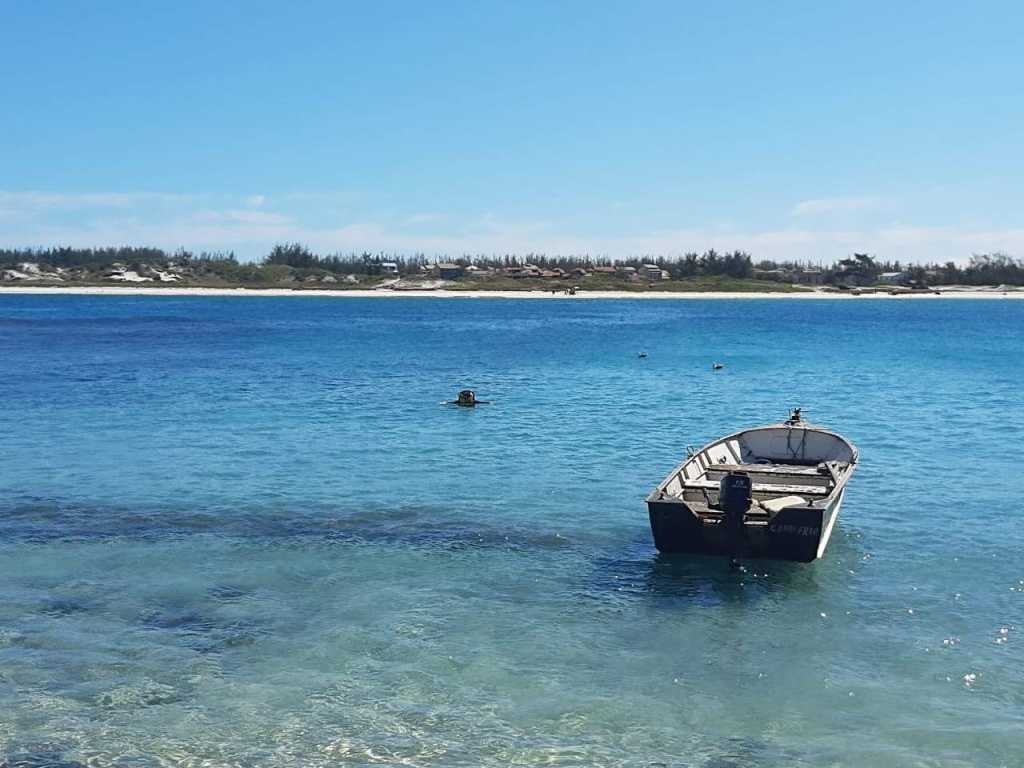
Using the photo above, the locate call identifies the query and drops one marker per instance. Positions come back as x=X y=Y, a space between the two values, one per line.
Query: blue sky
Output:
x=791 y=130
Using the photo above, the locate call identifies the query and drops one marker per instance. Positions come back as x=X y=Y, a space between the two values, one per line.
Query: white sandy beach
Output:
x=949 y=293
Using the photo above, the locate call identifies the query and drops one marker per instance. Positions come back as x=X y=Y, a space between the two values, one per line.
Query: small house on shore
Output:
x=893 y=278
x=528 y=270
x=653 y=272
x=809 y=277
x=801 y=276
x=448 y=271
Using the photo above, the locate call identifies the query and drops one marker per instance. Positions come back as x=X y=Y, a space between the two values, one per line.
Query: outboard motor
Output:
x=734 y=498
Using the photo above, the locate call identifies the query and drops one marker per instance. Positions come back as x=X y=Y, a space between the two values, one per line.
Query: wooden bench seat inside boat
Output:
x=785 y=489
x=768 y=469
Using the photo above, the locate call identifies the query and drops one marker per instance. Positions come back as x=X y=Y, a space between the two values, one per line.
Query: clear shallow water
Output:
x=244 y=532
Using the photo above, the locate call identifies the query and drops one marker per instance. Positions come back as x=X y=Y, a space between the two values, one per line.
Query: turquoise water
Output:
x=244 y=532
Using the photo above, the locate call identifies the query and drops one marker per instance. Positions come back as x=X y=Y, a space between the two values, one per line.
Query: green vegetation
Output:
x=597 y=282
x=295 y=266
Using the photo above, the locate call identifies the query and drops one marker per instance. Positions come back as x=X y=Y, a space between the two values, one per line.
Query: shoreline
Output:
x=536 y=294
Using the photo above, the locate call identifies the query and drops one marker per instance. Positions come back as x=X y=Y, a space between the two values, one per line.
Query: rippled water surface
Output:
x=244 y=532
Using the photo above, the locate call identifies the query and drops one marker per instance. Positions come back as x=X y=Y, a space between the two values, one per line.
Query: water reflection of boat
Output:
x=771 y=492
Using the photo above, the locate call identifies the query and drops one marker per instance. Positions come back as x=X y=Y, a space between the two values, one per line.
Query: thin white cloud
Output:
x=242 y=216
x=252 y=230
x=423 y=218
x=826 y=205
x=35 y=200
x=252 y=236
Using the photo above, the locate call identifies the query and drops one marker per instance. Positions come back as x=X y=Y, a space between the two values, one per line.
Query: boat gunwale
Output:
x=658 y=494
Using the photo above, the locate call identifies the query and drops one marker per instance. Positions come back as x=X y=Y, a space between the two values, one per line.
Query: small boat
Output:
x=768 y=492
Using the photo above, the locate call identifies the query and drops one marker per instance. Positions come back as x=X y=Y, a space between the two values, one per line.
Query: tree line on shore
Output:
x=284 y=259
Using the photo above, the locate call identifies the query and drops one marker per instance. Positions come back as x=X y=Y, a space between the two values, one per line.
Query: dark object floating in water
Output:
x=467 y=399
x=770 y=492
x=642 y=354
x=717 y=366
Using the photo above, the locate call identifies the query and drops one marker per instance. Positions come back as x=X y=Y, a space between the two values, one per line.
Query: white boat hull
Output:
x=796 y=474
